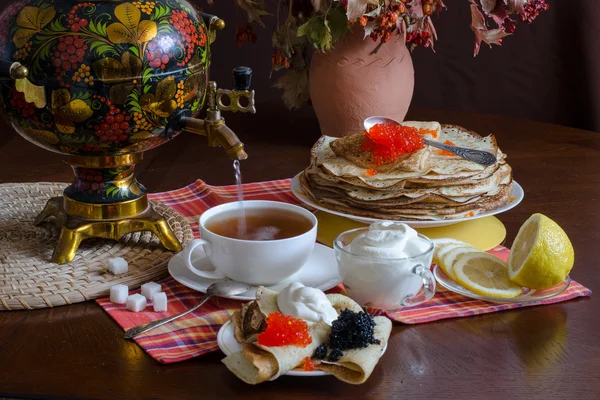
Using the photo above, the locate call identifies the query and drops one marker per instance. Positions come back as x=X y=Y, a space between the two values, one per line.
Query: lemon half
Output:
x=541 y=255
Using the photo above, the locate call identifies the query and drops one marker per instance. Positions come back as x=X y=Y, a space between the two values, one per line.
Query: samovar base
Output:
x=78 y=221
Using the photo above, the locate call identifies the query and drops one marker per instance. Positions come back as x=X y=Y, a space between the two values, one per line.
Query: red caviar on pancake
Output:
x=447 y=153
x=283 y=330
x=309 y=364
x=432 y=132
x=371 y=172
x=388 y=143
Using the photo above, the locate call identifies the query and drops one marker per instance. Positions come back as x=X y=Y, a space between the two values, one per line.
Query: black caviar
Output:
x=335 y=355
x=320 y=352
x=352 y=330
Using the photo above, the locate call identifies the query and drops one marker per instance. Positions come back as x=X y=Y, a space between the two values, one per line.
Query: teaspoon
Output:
x=223 y=288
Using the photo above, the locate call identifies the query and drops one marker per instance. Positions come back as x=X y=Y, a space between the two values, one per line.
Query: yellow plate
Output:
x=482 y=233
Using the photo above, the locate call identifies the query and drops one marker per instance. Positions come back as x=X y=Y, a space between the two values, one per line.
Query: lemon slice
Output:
x=453 y=255
x=541 y=255
x=439 y=244
x=445 y=248
x=485 y=275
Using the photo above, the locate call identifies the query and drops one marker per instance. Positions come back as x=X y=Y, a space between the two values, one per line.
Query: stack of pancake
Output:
x=427 y=185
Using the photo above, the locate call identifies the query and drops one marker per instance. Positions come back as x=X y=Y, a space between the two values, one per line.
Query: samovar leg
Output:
x=68 y=243
x=52 y=209
x=73 y=230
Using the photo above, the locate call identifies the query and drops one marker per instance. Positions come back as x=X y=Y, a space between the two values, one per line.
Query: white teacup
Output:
x=255 y=262
x=386 y=283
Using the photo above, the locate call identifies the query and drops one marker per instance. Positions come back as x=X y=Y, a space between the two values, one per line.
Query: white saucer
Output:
x=515 y=198
x=320 y=271
x=228 y=345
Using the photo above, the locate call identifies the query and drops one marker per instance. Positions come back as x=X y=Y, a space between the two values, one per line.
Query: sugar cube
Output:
x=117 y=265
x=118 y=294
x=160 y=302
x=136 y=302
x=148 y=289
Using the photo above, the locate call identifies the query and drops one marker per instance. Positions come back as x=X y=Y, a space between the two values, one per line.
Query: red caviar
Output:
x=432 y=132
x=284 y=330
x=371 y=172
x=388 y=143
x=309 y=364
x=447 y=153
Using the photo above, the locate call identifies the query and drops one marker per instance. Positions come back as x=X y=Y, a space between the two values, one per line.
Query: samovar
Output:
x=102 y=81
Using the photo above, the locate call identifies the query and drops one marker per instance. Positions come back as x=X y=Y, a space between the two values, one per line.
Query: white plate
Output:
x=514 y=199
x=527 y=296
x=320 y=271
x=228 y=345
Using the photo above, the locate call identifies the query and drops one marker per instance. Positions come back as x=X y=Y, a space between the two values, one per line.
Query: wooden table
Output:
x=546 y=352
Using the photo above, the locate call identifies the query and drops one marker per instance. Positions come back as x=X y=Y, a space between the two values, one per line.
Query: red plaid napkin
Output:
x=196 y=334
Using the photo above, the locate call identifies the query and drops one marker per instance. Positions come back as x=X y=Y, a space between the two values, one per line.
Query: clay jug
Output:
x=352 y=82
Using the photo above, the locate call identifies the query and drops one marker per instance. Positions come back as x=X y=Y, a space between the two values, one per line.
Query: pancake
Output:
x=349 y=148
x=257 y=363
x=444 y=187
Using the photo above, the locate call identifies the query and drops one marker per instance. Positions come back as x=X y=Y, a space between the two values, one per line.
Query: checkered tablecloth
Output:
x=196 y=334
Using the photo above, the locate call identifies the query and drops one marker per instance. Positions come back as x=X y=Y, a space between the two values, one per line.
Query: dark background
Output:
x=546 y=71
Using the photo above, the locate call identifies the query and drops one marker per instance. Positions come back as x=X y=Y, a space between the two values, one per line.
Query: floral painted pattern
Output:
x=113 y=73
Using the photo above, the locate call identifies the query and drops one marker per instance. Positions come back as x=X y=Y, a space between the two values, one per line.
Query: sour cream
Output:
x=306 y=303
x=388 y=239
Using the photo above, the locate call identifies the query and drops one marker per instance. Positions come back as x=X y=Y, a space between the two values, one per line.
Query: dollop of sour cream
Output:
x=306 y=303
x=388 y=239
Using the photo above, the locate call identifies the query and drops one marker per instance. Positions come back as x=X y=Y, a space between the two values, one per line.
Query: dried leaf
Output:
x=295 y=88
x=371 y=25
x=338 y=24
x=317 y=32
x=515 y=6
x=357 y=8
x=482 y=34
x=488 y=5
x=255 y=10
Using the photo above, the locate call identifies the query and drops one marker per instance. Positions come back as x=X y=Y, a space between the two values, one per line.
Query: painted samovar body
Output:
x=102 y=81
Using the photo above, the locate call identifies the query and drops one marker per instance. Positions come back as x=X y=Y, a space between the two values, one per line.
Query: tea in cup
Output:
x=276 y=242
x=386 y=265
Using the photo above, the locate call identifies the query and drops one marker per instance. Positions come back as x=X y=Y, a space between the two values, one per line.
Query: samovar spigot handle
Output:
x=12 y=71
x=242 y=78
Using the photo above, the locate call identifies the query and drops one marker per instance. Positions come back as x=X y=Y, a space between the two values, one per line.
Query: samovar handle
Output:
x=12 y=71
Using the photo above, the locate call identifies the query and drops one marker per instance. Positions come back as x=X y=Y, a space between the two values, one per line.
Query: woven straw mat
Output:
x=28 y=277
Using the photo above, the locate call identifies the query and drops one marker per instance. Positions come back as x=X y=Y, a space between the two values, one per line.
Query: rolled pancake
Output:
x=257 y=363
x=356 y=365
